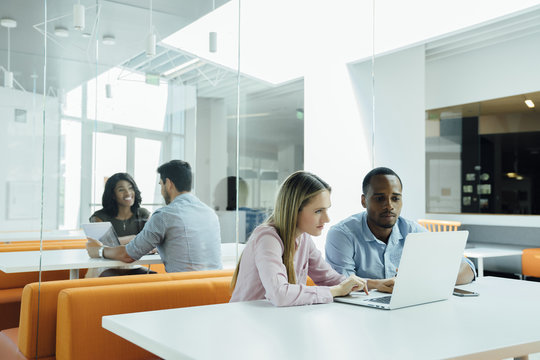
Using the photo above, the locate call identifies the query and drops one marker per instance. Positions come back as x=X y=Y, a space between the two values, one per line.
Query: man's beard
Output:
x=167 y=198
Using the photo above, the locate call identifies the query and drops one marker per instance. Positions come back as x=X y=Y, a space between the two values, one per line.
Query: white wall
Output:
x=491 y=72
x=336 y=143
x=338 y=127
x=400 y=124
x=211 y=147
x=21 y=161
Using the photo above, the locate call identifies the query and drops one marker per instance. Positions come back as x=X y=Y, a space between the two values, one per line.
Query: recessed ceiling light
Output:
x=108 y=40
x=8 y=23
x=61 y=31
x=529 y=103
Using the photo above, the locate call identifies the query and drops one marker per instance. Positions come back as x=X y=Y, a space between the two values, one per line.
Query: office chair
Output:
x=439 y=225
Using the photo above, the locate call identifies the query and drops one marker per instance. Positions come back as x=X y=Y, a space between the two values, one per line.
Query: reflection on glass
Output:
x=72 y=102
x=70 y=179
x=124 y=98
x=147 y=160
x=110 y=158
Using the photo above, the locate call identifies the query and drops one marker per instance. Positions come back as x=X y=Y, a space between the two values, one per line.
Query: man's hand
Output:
x=352 y=283
x=383 y=285
x=92 y=247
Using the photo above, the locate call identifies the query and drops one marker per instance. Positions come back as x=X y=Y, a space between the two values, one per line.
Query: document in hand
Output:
x=102 y=231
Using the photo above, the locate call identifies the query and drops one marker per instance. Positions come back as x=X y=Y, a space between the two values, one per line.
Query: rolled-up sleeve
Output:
x=339 y=251
x=151 y=236
x=273 y=276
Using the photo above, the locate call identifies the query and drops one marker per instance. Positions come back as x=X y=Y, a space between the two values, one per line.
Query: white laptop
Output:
x=102 y=231
x=427 y=272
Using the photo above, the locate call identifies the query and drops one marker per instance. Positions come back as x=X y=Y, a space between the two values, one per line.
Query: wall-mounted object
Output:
x=20 y=115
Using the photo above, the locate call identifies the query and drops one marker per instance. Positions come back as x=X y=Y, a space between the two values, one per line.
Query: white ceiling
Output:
x=71 y=61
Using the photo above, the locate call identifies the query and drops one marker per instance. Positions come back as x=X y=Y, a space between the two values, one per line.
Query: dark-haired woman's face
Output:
x=124 y=194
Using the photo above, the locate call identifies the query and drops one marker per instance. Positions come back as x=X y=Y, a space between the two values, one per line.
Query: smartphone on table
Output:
x=461 y=292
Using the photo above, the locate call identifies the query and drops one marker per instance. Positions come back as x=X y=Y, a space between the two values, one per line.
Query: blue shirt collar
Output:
x=395 y=235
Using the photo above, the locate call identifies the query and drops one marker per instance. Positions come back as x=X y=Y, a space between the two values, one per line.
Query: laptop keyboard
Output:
x=381 y=300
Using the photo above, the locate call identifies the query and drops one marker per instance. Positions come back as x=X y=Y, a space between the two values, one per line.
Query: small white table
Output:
x=500 y=323
x=69 y=259
x=480 y=253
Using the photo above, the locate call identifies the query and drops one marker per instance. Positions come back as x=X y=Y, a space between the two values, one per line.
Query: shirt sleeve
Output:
x=150 y=236
x=273 y=276
x=339 y=250
x=320 y=271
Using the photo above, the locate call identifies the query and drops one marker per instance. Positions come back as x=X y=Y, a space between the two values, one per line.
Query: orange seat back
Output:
x=530 y=262
x=47 y=295
x=439 y=225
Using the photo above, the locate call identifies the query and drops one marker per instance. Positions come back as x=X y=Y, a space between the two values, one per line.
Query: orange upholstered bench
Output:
x=11 y=285
x=34 y=245
x=11 y=288
x=20 y=343
x=78 y=306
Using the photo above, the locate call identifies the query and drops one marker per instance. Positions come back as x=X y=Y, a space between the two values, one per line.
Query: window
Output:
x=483 y=157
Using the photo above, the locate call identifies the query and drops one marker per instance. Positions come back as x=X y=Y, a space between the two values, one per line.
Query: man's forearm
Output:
x=117 y=253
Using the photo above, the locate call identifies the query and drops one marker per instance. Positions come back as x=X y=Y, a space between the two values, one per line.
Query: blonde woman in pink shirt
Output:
x=281 y=254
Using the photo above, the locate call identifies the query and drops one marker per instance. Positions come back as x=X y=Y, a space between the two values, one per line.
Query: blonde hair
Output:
x=295 y=193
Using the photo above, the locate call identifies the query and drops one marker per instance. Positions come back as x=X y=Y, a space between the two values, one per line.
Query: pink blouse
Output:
x=263 y=275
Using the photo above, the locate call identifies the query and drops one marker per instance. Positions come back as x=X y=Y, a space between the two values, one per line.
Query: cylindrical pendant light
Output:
x=151 y=44
x=8 y=74
x=78 y=16
x=8 y=79
x=212 y=41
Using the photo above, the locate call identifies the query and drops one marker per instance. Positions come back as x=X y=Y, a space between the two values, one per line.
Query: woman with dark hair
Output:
x=281 y=254
x=121 y=202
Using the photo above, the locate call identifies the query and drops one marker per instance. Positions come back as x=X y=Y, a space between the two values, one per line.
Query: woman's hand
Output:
x=383 y=285
x=353 y=283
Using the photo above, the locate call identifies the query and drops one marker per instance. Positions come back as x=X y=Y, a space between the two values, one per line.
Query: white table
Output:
x=70 y=259
x=500 y=323
x=75 y=259
x=482 y=252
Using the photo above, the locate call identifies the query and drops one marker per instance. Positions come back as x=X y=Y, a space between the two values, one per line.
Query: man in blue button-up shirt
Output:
x=370 y=244
x=186 y=231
